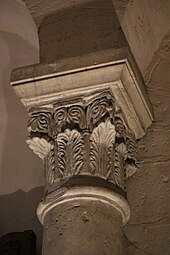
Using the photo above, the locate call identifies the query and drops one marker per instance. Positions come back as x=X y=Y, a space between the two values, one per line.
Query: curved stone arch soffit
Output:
x=18 y=35
x=146 y=25
x=162 y=54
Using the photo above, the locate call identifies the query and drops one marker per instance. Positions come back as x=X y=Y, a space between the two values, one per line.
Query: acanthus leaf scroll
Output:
x=99 y=109
x=66 y=125
x=70 y=148
x=40 y=146
x=101 y=149
x=41 y=121
x=45 y=150
x=131 y=162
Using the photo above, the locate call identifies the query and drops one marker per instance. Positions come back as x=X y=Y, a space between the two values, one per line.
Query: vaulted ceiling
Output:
x=39 y=8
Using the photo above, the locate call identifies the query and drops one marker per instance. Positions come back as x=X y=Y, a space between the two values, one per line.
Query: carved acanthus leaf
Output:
x=50 y=168
x=40 y=146
x=121 y=148
x=131 y=150
x=101 y=145
x=70 y=152
x=131 y=160
x=41 y=121
x=120 y=128
x=76 y=114
x=131 y=169
x=109 y=151
x=100 y=108
x=60 y=116
x=120 y=152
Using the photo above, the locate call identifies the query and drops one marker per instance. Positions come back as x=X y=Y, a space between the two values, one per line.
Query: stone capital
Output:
x=86 y=121
x=86 y=135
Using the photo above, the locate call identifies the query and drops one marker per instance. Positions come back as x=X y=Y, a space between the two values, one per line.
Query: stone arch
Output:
x=19 y=46
x=145 y=25
x=162 y=55
x=19 y=35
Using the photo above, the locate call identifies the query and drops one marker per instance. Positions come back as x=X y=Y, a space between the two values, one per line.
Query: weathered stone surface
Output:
x=39 y=9
x=83 y=228
x=61 y=31
x=82 y=136
x=148 y=21
x=149 y=190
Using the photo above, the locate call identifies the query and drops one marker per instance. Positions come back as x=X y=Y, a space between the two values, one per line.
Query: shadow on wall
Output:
x=21 y=173
x=20 y=169
x=18 y=211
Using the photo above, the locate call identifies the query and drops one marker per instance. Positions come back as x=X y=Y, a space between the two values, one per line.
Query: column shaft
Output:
x=83 y=227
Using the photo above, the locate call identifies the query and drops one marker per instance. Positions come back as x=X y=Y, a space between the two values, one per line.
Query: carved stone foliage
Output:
x=70 y=153
x=120 y=171
x=99 y=109
x=50 y=168
x=41 y=121
x=86 y=136
x=73 y=116
x=45 y=150
x=102 y=150
x=40 y=146
x=84 y=115
x=131 y=155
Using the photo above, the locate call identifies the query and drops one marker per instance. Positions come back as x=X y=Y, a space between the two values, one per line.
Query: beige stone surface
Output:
x=149 y=190
x=118 y=77
x=39 y=8
x=145 y=24
x=76 y=228
x=89 y=27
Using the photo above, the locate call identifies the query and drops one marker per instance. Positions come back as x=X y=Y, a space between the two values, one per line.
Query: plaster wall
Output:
x=149 y=189
x=15 y=21
x=145 y=24
x=20 y=182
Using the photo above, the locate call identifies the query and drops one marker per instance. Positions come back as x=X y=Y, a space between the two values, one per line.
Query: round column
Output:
x=83 y=220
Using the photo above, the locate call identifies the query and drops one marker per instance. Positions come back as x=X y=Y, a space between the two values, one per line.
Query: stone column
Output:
x=86 y=138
